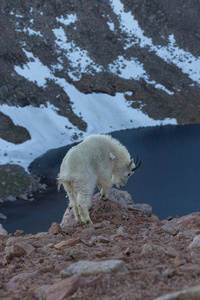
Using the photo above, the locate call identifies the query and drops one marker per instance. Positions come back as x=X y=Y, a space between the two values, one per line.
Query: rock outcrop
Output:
x=126 y=254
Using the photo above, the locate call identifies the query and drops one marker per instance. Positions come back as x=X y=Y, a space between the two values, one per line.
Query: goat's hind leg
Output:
x=72 y=200
x=76 y=211
x=84 y=203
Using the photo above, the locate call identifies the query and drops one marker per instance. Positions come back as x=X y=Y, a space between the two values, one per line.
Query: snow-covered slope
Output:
x=102 y=113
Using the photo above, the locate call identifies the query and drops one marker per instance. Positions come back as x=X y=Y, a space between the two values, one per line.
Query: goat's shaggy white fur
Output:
x=99 y=160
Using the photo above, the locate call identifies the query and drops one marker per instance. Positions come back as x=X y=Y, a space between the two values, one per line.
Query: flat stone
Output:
x=187 y=294
x=171 y=227
x=149 y=249
x=87 y=268
x=102 y=239
x=65 y=243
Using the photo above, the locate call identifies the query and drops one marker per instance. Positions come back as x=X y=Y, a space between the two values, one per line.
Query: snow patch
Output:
x=72 y=18
x=79 y=59
x=34 y=70
x=162 y=87
x=128 y=68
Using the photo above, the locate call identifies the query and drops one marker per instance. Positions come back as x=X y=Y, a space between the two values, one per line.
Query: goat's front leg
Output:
x=104 y=194
x=104 y=190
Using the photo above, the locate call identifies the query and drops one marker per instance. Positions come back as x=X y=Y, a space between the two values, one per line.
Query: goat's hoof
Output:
x=78 y=220
x=103 y=197
x=88 y=223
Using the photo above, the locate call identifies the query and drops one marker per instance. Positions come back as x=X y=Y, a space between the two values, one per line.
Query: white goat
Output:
x=99 y=160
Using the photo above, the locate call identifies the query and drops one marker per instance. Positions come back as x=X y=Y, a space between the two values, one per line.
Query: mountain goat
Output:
x=99 y=160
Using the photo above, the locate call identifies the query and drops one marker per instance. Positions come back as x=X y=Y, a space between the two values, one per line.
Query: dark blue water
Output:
x=168 y=179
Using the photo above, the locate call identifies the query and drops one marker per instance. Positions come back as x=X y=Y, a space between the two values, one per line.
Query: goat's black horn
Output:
x=137 y=165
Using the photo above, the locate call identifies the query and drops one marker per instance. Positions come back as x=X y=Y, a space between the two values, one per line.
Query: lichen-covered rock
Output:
x=16 y=183
x=87 y=268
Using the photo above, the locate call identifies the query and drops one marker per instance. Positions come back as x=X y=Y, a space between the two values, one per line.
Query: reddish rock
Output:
x=184 y=294
x=103 y=239
x=54 y=229
x=65 y=243
x=121 y=234
x=190 y=268
x=102 y=224
x=19 y=233
x=191 y=219
x=179 y=261
x=146 y=255
x=171 y=252
x=24 y=247
x=79 y=255
x=19 y=249
x=64 y=288
x=100 y=253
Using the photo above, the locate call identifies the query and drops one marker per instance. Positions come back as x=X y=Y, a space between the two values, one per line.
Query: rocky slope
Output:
x=127 y=254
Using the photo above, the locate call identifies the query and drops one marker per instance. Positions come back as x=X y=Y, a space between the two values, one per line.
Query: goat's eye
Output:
x=129 y=174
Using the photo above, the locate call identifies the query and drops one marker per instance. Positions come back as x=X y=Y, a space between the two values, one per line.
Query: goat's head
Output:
x=127 y=172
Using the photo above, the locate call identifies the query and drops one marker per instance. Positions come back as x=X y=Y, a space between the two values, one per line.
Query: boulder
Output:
x=112 y=209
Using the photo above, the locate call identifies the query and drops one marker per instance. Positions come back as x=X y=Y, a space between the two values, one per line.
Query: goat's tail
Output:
x=64 y=179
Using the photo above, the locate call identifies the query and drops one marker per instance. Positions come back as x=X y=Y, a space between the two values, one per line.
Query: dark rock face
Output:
x=117 y=258
x=12 y=133
x=28 y=26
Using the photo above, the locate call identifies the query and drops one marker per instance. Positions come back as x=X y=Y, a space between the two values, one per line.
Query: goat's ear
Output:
x=130 y=163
